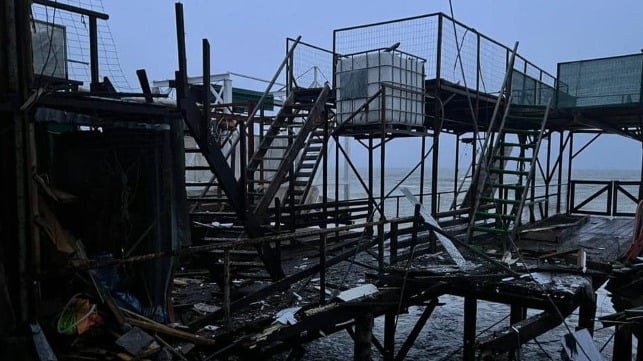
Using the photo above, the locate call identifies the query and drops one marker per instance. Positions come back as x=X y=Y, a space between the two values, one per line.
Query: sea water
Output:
x=441 y=337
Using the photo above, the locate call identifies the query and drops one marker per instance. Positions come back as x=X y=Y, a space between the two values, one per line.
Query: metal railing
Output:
x=603 y=198
x=445 y=43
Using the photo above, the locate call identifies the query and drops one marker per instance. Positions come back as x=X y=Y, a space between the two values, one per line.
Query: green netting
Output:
x=526 y=90
x=609 y=81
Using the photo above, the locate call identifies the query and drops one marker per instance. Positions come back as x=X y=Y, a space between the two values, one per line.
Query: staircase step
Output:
x=506 y=171
x=521 y=145
x=508 y=186
x=496 y=231
x=310 y=157
x=307 y=165
x=206 y=199
x=517 y=159
x=500 y=200
x=200 y=184
x=488 y=215
x=271 y=158
x=196 y=167
x=522 y=131
x=536 y=118
x=275 y=147
x=192 y=150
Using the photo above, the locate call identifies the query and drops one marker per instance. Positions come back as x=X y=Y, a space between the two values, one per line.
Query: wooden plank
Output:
x=519 y=333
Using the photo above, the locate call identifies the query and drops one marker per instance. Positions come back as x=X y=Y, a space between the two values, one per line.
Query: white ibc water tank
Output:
x=359 y=77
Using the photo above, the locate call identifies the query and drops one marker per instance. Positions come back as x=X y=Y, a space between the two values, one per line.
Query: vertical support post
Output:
x=569 y=166
x=478 y=77
x=371 y=207
x=380 y=249
x=17 y=78
x=587 y=310
x=290 y=196
x=382 y=153
x=438 y=52
x=393 y=243
x=422 y=170
x=434 y=166
x=226 y=288
x=227 y=93
x=243 y=161
x=180 y=42
x=363 y=334
x=205 y=122
x=547 y=172
x=278 y=224
x=389 y=336
x=347 y=147
x=325 y=168
x=32 y=191
x=517 y=314
x=436 y=122
x=470 y=318
x=337 y=198
x=289 y=72
x=93 y=52
x=414 y=232
x=322 y=267
x=559 y=188
x=250 y=126
x=455 y=171
x=622 y=343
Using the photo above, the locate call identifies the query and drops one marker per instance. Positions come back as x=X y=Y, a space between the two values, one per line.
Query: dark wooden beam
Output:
x=470 y=322
x=519 y=333
x=363 y=335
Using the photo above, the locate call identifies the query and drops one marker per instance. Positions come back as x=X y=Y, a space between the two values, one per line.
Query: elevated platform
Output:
x=458 y=102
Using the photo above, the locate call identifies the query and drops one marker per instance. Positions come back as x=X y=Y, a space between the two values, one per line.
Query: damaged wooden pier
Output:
x=218 y=223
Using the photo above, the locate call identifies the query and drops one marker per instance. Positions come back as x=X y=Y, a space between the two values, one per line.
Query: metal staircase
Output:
x=291 y=131
x=506 y=177
x=307 y=166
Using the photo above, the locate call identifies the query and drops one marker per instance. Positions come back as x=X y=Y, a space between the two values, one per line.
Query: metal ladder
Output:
x=507 y=192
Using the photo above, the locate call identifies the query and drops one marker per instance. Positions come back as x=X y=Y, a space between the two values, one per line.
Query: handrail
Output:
x=610 y=187
x=266 y=92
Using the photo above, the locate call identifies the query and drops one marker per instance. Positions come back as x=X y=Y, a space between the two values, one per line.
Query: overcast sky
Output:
x=249 y=36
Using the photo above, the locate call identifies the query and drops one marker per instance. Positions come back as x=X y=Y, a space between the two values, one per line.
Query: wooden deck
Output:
x=604 y=239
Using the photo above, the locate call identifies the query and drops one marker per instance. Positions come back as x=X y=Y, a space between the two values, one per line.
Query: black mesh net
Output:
x=597 y=82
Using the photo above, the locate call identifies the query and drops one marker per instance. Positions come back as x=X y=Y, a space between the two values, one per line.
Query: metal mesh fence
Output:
x=455 y=36
x=311 y=66
x=466 y=57
x=417 y=36
x=76 y=33
x=527 y=90
x=608 y=81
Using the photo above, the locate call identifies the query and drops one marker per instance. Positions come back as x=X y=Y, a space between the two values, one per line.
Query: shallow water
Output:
x=441 y=337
